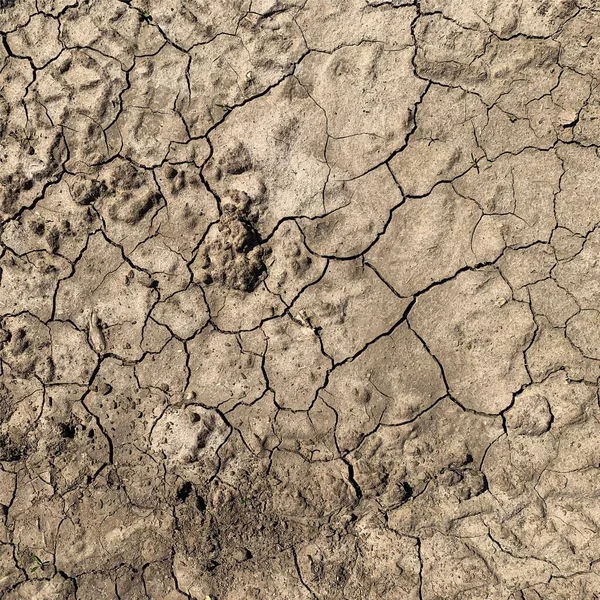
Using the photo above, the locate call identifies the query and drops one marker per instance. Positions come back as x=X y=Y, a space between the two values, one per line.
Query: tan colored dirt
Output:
x=299 y=299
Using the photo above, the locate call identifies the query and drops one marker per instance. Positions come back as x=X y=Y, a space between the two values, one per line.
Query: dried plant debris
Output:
x=299 y=299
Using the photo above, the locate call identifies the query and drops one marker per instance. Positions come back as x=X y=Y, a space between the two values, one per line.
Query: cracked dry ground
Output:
x=300 y=299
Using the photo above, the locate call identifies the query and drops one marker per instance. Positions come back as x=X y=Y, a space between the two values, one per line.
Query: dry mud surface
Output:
x=299 y=299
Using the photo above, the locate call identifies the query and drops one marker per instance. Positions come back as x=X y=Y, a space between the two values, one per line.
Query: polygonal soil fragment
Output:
x=341 y=304
x=221 y=372
x=337 y=83
x=232 y=69
x=15 y=13
x=516 y=194
x=579 y=276
x=358 y=211
x=38 y=40
x=108 y=298
x=428 y=240
x=150 y=118
x=294 y=363
x=434 y=150
x=365 y=392
x=530 y=414
x=80 y=91
x=478 y=333
x=184 y=313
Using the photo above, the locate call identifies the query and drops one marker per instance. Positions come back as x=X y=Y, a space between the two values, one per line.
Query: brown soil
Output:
x=299 y=299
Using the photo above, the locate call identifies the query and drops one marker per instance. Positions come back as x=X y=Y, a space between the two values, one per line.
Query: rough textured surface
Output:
x=299 y=299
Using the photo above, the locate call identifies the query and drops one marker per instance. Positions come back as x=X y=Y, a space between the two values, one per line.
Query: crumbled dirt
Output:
x=299 y=299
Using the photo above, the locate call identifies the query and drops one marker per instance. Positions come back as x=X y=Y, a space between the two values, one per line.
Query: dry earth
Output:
x=299 y=299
